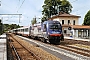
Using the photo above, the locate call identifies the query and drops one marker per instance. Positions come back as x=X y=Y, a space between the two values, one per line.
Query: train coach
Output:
x=47 y=31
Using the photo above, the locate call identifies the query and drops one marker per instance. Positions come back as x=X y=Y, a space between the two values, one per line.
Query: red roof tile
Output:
x=64 y=15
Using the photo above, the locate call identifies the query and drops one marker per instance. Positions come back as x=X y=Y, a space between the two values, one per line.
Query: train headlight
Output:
x=48 y=33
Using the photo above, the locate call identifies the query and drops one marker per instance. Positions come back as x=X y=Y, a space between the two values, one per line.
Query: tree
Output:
x=87 y=19
x=11 y=26
x=53 y=7
x=34 y=21
x=44 y=18
x=65 y=6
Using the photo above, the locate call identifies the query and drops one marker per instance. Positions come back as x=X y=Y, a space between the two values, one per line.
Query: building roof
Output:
x=64 y=15
x=77 y=26
x=68 y=15
x=81 y=27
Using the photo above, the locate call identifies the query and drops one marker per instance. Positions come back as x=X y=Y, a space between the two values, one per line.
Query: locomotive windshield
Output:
x=54 y=26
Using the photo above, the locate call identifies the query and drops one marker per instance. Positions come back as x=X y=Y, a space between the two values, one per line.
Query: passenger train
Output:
x=47 y=31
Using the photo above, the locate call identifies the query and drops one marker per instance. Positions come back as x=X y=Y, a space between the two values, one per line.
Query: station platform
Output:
x=3 y=47
x=75 y=38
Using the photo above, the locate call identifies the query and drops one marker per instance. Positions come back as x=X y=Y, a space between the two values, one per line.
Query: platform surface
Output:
x=3 y=48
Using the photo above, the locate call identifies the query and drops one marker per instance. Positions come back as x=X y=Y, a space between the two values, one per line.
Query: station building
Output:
x=69 y=20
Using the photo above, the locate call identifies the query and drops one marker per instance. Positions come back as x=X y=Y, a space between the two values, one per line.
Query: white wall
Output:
x=66 y=20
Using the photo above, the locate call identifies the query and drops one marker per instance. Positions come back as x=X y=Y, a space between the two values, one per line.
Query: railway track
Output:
x=20 y=52
x=76 y=50
x=70 y=46
x=76 y=46
x=23 y=50
x=15 y=52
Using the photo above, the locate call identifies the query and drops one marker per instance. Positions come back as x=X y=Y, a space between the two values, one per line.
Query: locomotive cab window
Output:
x=45 y=27
x=54 y=26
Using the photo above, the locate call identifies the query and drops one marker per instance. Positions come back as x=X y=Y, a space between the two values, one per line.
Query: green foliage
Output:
x=43 y=19
x=87 y=19
x=6 y=27
x=10 y=27
x=33 y=21
x=13 y=26
x=53 y=7
x=66 y=6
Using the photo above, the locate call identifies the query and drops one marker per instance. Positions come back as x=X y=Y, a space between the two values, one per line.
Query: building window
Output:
x=68 y=22
x=65 y=31
x=73 y=22
x=62 y=21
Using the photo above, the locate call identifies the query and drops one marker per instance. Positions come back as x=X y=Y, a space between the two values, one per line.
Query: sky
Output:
x=33 y=8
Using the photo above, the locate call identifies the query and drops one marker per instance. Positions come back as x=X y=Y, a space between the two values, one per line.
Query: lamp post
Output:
x=37 y=18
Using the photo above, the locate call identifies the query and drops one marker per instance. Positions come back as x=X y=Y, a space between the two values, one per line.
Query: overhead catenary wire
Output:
x=21 y=5
x=17 y=8
x=74 y=1
x=9 y=8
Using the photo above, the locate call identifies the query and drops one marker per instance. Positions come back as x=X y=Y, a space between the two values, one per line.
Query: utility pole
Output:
x=13 y=14
x=19 y=18
x=9 y=14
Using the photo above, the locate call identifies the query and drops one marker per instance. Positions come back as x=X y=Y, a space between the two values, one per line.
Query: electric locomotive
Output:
x=52 y=31
x=47 y=31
